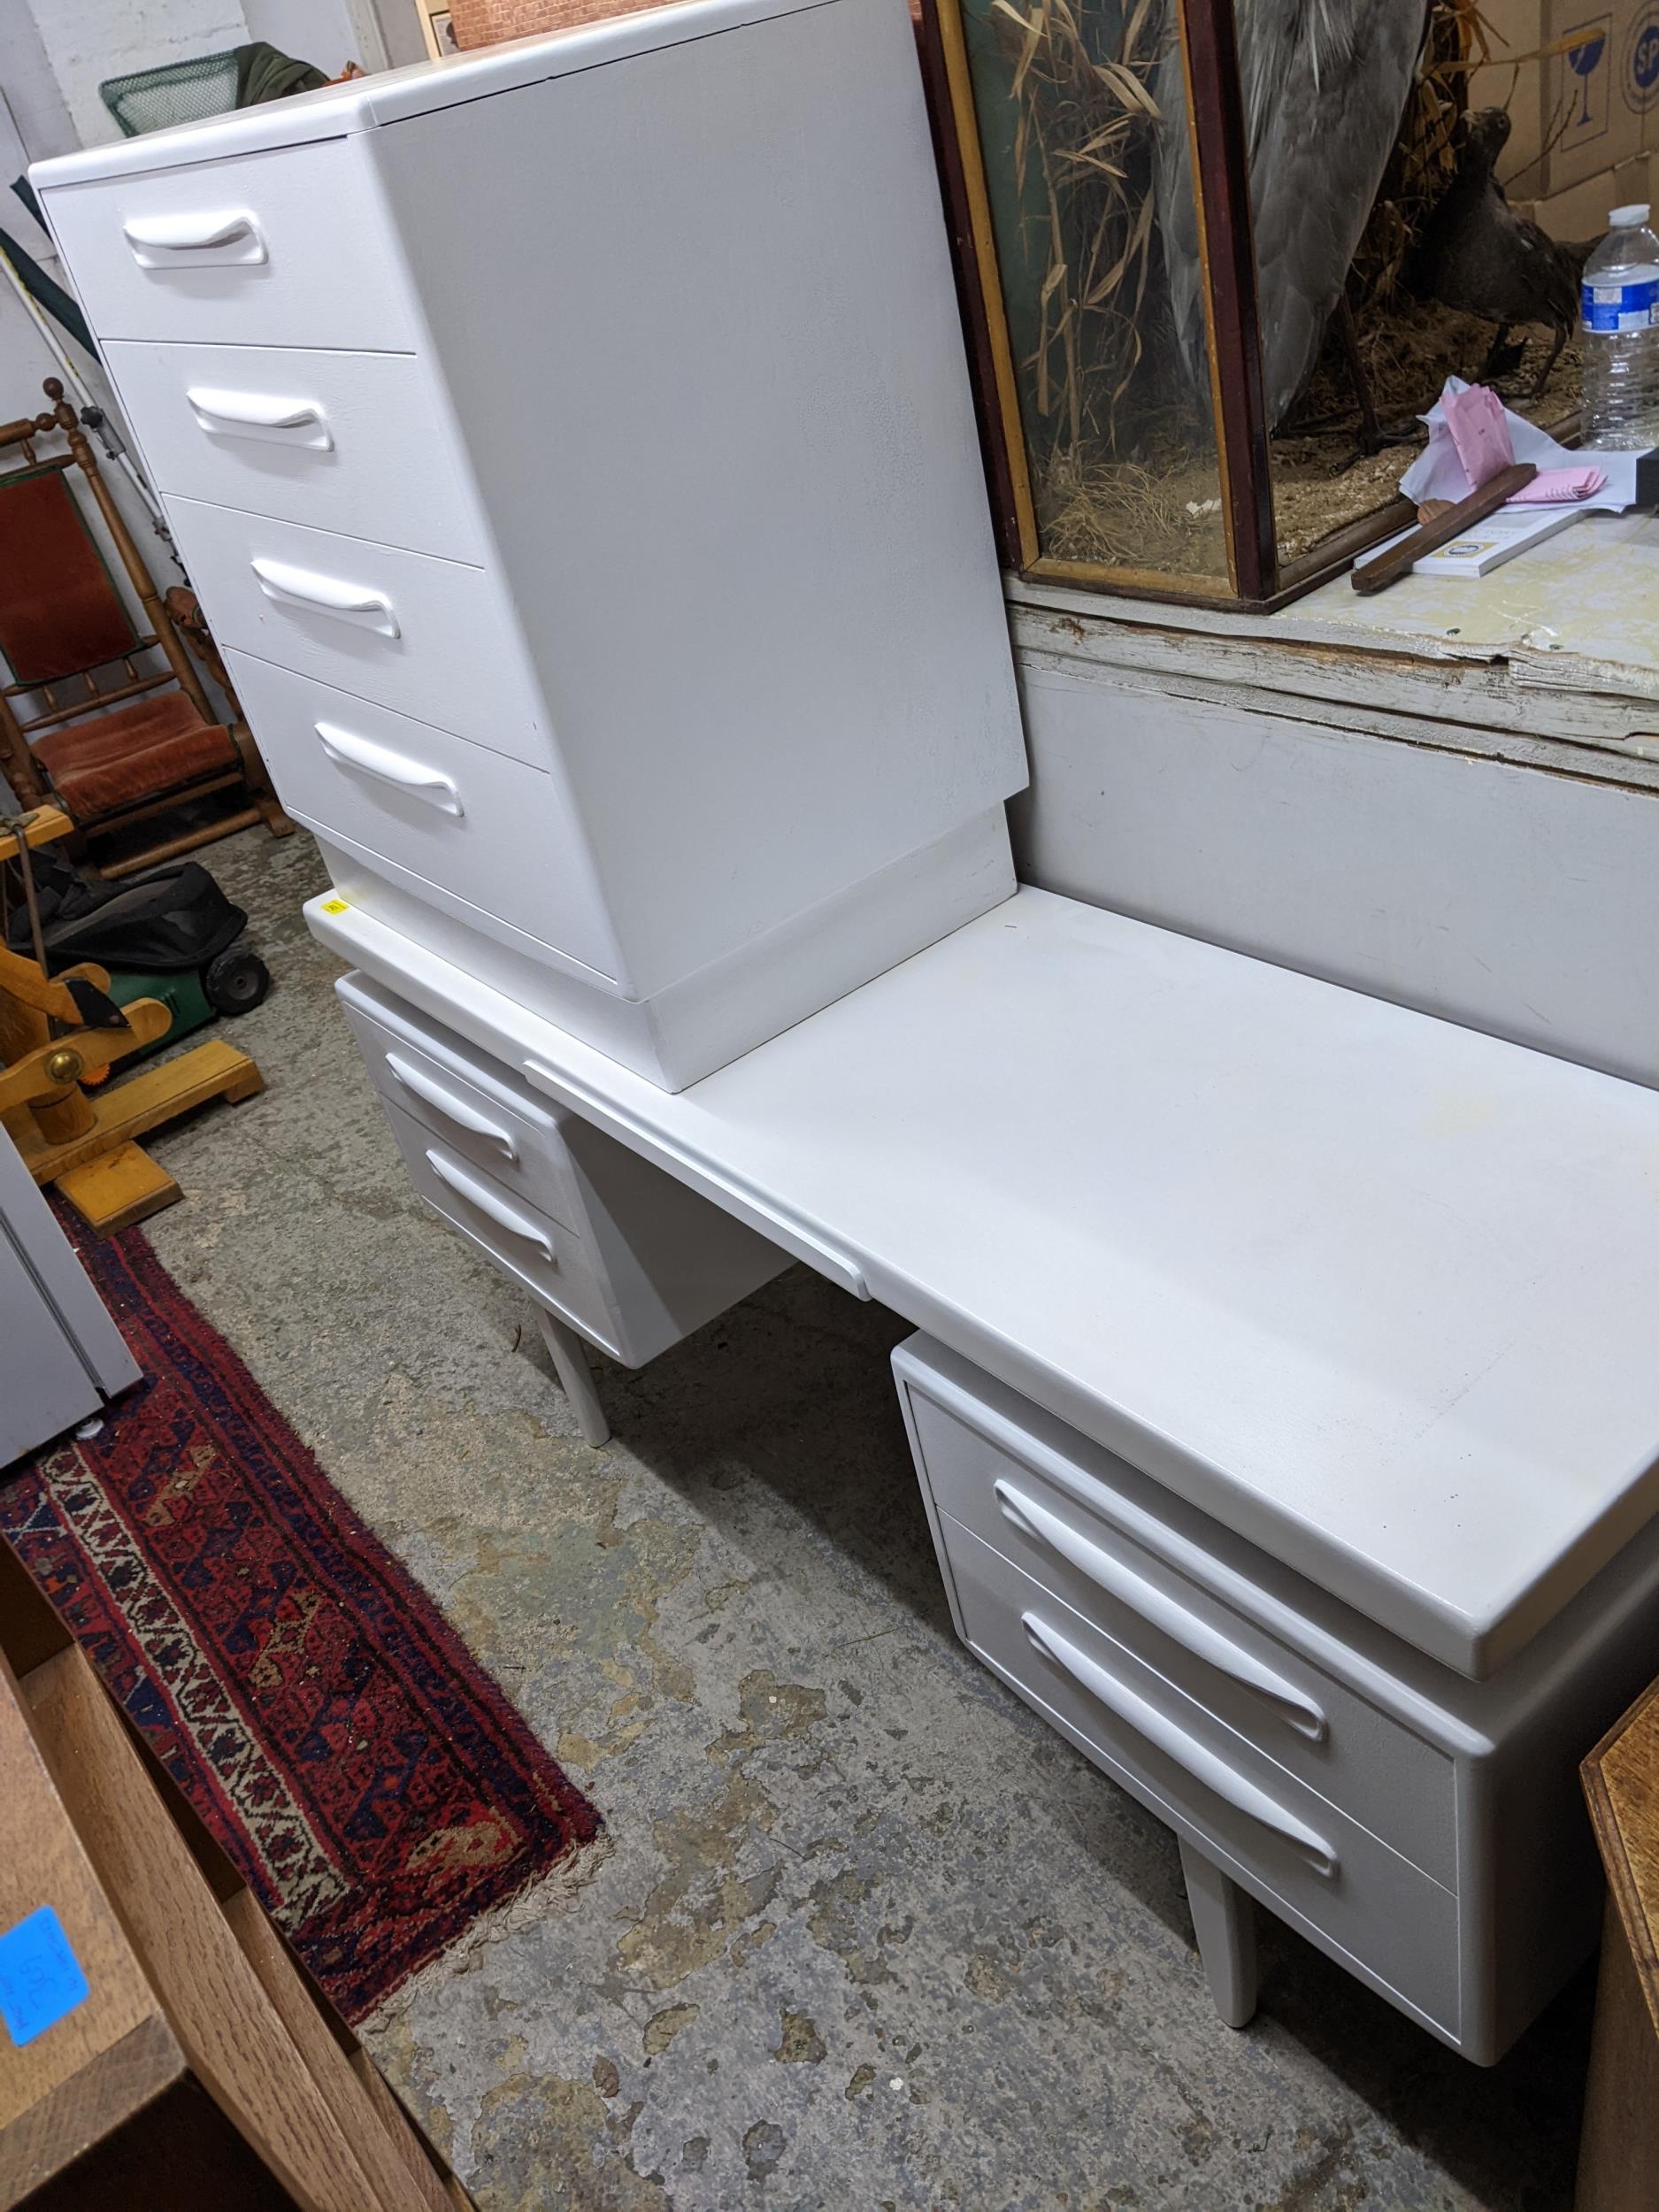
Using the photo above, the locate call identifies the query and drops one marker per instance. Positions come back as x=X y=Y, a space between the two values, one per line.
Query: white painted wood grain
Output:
x=1376 y=1291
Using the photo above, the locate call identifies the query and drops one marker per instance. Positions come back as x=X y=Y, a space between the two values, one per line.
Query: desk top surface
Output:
x=1379 y=1293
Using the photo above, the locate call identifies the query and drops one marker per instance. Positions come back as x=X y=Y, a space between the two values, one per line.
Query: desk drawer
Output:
x=427 y=638
x=1299 y=1854
x=1059 y=1519
x=472 y=1106
x=287 y=248
x=465 y=828
x=342 y=442
x=551 y=1260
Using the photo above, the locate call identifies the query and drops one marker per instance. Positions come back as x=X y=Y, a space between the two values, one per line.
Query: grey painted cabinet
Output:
x=61 y=1356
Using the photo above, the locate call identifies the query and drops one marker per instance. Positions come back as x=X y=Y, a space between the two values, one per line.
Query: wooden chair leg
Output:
x=260 y=789
x=271 y=813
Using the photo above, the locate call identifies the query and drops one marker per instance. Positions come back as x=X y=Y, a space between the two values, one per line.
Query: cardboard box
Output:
x=1580 y=78
x=1581 y=211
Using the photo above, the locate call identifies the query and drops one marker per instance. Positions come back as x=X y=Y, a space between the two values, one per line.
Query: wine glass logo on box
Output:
x=1584 y=112
x=1581 y=84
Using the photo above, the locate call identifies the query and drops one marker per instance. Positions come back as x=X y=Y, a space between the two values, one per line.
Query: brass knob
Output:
x=65 y=1065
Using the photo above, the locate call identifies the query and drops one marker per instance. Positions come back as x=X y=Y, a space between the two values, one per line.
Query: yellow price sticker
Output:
x=336 y=906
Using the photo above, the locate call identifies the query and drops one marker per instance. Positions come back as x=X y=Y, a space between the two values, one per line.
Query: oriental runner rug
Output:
x=372 y=1785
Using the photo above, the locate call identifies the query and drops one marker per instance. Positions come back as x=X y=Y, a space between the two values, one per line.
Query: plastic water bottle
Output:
x=1619 y=335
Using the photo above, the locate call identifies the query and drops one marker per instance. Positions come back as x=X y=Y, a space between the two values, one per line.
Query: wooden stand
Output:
x=201 y=2068
x=1618 y=2162
x=83 y=1140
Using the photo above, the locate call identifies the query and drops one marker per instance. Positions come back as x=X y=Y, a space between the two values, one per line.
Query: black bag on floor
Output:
x=165 y=924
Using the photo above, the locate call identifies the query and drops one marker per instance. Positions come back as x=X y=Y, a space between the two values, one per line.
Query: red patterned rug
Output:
x=374 y=1786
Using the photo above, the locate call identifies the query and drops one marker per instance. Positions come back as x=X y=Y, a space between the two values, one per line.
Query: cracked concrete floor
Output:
x=863 y=1933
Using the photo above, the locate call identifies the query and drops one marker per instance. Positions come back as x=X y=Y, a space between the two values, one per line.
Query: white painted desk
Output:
x=1378 y=1292
x=1349 y=1319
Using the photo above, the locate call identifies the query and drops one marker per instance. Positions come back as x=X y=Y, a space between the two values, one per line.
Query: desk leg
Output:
x=1223 y=1920
x=569 y=1355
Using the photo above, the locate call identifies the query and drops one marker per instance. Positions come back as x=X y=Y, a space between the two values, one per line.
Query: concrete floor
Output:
x=863 y=1933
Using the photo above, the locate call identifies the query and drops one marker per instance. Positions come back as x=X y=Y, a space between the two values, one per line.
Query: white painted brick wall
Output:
x=87 y=40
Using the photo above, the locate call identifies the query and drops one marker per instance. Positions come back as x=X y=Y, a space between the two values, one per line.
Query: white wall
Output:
x=86 y=41
x=1505 y=897
x=30 y=91
x=55 y=53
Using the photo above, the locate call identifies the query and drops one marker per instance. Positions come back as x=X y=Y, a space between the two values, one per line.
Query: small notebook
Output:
x=1487 y=545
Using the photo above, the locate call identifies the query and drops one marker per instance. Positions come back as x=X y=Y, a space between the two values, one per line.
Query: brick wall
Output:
x=484 y=22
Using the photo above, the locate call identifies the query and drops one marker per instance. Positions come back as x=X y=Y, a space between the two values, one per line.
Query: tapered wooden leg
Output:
x=1223 y=1920
x=569 y=1355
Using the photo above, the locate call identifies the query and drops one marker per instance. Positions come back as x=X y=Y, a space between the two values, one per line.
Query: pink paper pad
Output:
x=1474 y=418
x=1557 y=488
x=1480 y=432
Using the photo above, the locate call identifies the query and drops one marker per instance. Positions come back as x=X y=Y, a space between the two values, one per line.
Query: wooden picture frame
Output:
x=1256 y=578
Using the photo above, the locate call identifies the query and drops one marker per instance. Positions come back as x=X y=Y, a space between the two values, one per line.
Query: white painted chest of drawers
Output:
x=613 y=1248
x=573 y=449
x=1425 y=1830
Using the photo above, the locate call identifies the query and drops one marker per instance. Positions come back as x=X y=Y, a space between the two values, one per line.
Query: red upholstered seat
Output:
x=131 y=753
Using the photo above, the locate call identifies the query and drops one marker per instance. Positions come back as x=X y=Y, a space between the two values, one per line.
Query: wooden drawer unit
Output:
x=546 y=1257
x=624 y=1253
x=1275 y=1728
x=486 y=837
x=394 y=350
x=473 y=1105
x=1293 y=1850
x=355 y=443
x=1065 y=1524
x=278 y=248
x=428 y=638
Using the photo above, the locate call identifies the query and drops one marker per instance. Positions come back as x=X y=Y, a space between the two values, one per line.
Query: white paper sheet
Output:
x=1438 y=473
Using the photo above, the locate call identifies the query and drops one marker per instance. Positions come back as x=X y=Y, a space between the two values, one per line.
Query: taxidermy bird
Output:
x=1478 y=255
x=1324 y=86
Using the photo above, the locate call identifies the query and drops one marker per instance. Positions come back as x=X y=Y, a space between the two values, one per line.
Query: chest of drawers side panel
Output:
x=733 y=483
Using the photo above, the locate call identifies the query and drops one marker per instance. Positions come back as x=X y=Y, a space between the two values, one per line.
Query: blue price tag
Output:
x=40 y=1977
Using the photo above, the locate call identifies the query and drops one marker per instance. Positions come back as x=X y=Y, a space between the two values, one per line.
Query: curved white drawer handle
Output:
x=259 y=415
x=229 y=232
x=1195 y=1635
x=347 y=750
x=1170 y=1738
x=493 y=1208
x=325 y=594
x=461 y=1111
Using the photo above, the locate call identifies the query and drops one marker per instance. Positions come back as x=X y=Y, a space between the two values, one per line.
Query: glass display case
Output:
x=1217 y=261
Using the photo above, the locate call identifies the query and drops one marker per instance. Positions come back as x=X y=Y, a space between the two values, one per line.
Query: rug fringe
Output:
x=558 y=1891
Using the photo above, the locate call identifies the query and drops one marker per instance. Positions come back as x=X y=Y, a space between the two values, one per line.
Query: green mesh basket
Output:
x=183 y=92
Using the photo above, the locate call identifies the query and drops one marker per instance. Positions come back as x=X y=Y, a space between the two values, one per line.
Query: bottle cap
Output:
x=1629 y=218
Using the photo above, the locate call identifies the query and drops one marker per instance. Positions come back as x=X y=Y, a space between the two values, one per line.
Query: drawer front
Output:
x=1299 y=1854
x=346 y=441
x=281 y=249
x=551 y=1261
x=484 y=1116
x=448 y=817
x=1400 y=1788
x=425 y=637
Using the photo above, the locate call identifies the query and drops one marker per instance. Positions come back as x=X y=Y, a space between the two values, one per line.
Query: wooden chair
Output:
x=116 y=743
